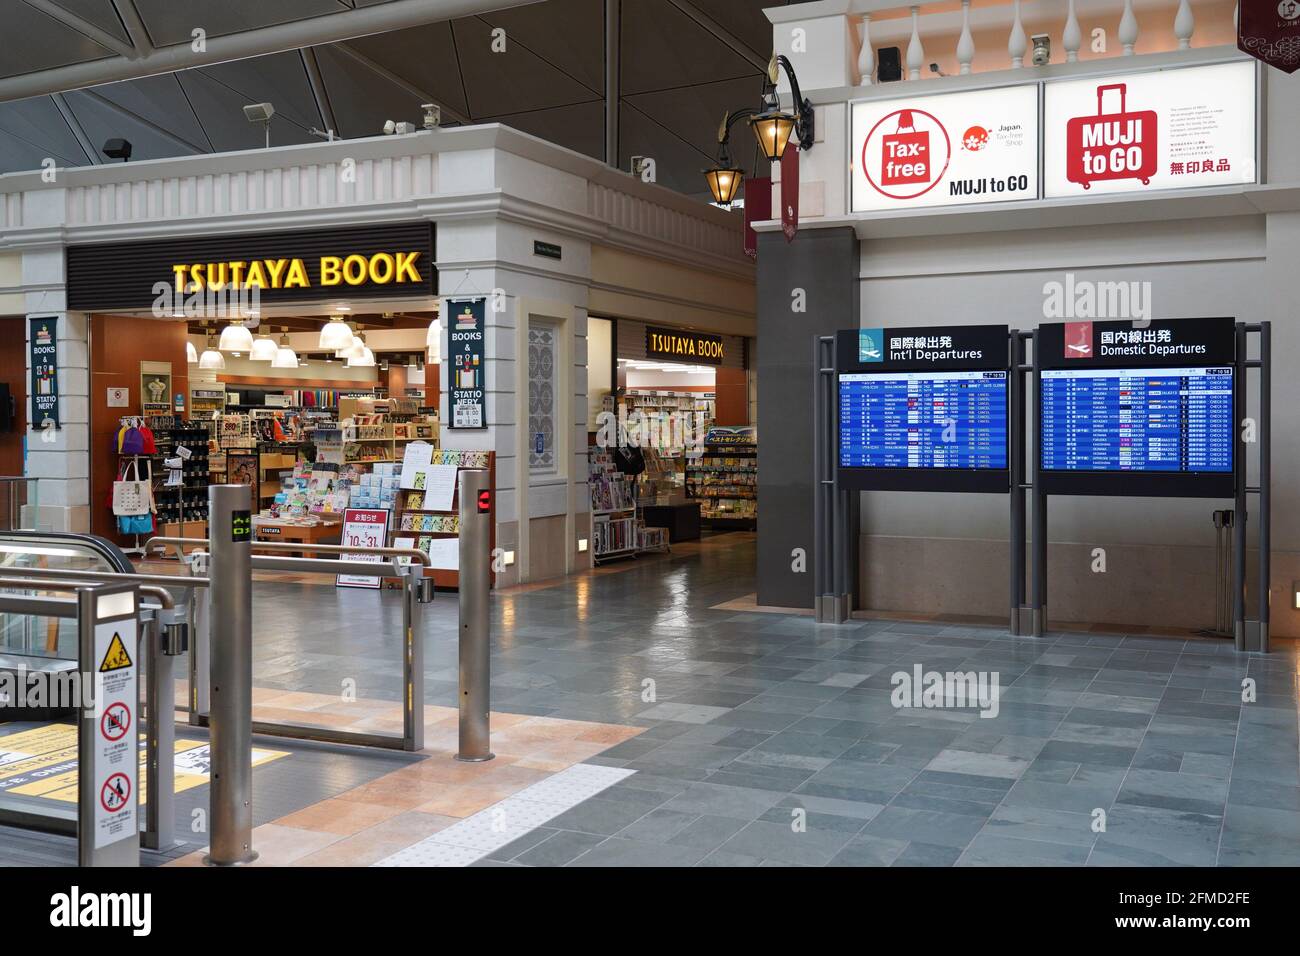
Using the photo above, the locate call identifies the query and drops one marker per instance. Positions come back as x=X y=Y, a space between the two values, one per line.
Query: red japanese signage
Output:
x=1115 y=145
x=1270 y=32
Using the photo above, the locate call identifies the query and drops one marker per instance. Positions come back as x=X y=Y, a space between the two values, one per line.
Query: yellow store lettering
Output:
x=381 y=268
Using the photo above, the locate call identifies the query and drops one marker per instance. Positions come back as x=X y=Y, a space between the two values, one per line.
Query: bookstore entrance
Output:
x=678 y=456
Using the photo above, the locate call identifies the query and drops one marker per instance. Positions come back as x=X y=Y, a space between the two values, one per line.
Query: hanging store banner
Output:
x=945 y=149
x=1270 y=32
x=166 y=275
x=790 y=191
x=465 y=338
x=1170 y=129
x=758 y=208
x=44 y=361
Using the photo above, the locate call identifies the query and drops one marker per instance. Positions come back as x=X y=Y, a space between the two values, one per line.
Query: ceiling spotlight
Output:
x=117 y=149
x=335 y=335
x=236 y=338
x=261 y=113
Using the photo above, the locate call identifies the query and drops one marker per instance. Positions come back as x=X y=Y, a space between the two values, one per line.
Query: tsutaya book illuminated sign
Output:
x=684 y=344
x=380 y=268
x=946 y=149
x=1171 y=129
x=1177 y=128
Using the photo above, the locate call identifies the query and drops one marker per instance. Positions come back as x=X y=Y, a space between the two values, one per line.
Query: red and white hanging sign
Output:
x=790 y=191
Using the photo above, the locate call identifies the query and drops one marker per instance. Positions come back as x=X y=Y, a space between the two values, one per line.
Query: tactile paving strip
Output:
x=476 y=836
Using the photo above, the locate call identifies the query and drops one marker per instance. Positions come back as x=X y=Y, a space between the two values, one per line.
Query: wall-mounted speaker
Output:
x=889 y=64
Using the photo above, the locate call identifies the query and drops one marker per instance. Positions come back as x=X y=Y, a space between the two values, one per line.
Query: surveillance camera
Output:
x=1042 y=54
x=403 y=128
x=259 y=112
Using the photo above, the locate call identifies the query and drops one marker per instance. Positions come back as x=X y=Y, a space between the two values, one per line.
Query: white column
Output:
x=866 y=55
x=1072 y=38
x=1184 y=25
x=915 y=52
x=1128 y=28
x=965 y=43
x=1018 y=43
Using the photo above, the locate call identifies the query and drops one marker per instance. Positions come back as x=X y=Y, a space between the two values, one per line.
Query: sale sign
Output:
x=1170 y=129
x=945 y=149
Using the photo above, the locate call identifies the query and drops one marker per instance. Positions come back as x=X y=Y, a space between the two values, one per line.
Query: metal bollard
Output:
x=230 y=720
x=475 y=614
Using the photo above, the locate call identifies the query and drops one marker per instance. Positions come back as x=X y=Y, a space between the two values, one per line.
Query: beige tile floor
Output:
x=401 y=808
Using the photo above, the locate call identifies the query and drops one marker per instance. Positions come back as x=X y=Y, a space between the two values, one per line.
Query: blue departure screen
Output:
x=1144 y=419
x=923 y=420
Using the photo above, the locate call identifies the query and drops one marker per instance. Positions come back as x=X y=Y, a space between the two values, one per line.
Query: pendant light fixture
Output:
x=236 y=338
x=211 y=358
x=433 y=341
x=353 y=345
x=191 y=353
x=335 y=335
x=361 y=356
x=263 y=349
x=285 y=357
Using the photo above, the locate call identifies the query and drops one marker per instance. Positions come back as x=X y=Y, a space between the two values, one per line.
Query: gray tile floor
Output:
x=771 y=740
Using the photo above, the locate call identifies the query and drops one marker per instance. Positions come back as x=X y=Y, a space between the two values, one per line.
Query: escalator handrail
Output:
x=106 y=549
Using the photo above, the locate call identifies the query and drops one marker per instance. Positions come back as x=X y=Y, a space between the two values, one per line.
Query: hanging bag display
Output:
x=131 y=494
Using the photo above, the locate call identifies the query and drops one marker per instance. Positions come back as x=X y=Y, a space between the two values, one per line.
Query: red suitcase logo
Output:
x=1111 y=146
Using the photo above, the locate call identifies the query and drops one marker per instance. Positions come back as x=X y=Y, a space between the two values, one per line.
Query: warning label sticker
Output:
x=116 y=657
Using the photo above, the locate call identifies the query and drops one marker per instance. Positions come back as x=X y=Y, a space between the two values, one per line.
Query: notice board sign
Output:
x=465 y=340
x=1139 y=132
x=362 y=528
x=924 y=409
x=116 y=760
x=945 y=149
x=1145 y=410
x=43 y=343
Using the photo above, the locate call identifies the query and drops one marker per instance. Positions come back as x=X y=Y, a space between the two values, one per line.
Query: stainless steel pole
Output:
x=160 y=718
x=475 y=494
x=1239 y=503
x=1265 y=477
x=231 y=717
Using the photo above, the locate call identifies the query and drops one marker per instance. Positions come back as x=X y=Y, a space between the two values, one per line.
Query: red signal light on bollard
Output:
x=484 y=502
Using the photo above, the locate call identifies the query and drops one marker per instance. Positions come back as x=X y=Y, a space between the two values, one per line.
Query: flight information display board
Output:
x=1139 y=411
x=923 y=409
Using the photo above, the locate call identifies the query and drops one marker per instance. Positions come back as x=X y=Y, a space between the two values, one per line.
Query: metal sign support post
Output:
x=475 y=582
x=108 y=777
x=1038 y=552
x=1016 y=425
x=832 y=517
x=418 y=590
x=1253 y=635
x=231 y=634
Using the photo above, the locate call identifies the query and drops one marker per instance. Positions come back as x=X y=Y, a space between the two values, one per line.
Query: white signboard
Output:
x=438 y=482
x=116 y=763
x=945 y=150
x=417 y=455
x=119 y=397
x=1170 y=129
x=444 y=554
x=362 y=528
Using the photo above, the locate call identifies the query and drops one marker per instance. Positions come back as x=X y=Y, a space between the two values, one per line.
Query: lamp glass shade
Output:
x=212 y=359
x=335 y=335
x=263 y=350
x=235 y=338
x=285 y=357
x=365 y=359
x=724 y=183
x=772 y=129
x=191 y=353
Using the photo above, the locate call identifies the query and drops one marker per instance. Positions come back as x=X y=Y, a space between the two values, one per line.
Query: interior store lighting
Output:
x=360 y=355
x=191 y=353
x=236 y=338
x=211 y=358
x=263 y=350
x=433 y=341
x=335 y=335
x=285 y=357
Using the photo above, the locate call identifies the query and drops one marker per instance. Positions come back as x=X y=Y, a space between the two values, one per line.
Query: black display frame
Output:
x=994 y=341
x=1218 y=334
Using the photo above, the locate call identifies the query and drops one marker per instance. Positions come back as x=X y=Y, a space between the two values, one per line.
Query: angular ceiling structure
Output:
x=339 y=65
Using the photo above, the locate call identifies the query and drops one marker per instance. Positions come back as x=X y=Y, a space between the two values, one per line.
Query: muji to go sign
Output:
x=1170 y=129
x=946 y=149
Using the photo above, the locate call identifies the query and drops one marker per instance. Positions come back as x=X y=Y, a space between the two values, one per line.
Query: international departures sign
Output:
x=684 y=345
